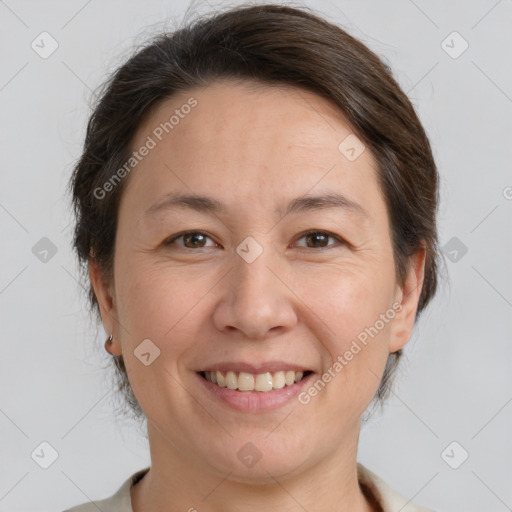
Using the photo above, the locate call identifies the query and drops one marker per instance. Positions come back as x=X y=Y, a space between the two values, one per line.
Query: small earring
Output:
x=108 y=343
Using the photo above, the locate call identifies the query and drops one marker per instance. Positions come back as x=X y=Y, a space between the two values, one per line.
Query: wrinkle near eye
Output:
x=321 y=233
x=306 y=236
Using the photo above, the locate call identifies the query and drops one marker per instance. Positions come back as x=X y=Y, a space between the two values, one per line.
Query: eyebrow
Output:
x=305 y=203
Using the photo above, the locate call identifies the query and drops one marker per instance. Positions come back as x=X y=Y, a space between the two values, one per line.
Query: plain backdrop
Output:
x=453 y=393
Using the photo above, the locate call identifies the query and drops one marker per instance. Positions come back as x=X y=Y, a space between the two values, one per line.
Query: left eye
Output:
x=197 y=239
x=319 y=238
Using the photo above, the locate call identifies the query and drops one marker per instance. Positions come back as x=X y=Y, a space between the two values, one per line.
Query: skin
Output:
x=300 y=301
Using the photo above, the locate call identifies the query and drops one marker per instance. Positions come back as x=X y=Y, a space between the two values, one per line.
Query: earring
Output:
x=108 y=343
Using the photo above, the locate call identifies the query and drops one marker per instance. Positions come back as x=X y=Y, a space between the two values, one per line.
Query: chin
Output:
x=260 y=461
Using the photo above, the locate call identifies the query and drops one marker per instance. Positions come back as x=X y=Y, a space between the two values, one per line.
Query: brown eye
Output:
x=317 y=239
x=191 y=240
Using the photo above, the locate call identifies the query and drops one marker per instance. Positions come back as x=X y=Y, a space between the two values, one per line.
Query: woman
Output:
x=256 y=209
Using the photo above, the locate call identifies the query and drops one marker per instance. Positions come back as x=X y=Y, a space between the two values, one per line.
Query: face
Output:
x=288 y=266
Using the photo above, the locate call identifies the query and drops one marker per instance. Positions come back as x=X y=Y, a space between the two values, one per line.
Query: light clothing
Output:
x=389 y=500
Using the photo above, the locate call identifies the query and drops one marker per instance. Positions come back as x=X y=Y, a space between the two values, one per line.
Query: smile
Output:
x=262 y=382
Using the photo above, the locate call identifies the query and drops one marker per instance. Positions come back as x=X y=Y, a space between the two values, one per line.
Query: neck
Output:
x=180 y=482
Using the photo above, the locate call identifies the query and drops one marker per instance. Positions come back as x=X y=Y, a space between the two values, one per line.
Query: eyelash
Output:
x=171 y=240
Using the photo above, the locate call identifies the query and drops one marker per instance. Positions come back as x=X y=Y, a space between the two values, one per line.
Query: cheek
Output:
x=348 y=298
x=356 y=306
x=158 y=305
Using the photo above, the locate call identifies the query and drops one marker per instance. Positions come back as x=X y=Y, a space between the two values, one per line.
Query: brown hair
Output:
x=271 y=45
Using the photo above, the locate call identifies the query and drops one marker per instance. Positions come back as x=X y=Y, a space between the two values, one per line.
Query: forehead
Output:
x=236 y=114
x=247 y=141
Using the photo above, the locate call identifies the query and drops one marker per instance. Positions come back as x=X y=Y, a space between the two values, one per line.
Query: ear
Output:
x=104 y=296
x=408 y=296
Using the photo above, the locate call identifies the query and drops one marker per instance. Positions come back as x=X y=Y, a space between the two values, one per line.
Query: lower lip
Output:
x=255 y=401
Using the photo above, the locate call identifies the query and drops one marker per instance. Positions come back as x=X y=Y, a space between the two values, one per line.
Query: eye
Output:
x=191 y=240
x=318 y=239
x=197 y=239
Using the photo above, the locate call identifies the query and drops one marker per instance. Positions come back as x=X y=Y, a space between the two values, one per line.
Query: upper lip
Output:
x=270 y=366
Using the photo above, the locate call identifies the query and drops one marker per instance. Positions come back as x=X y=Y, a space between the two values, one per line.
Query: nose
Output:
x=255 y=301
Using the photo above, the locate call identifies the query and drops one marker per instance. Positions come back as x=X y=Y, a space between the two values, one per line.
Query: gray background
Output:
x=455 y=384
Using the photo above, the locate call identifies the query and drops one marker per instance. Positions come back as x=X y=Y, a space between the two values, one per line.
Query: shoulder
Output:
x=118 y=502
x=389 y=499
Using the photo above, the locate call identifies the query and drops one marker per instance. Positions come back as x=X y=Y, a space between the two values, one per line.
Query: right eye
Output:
x=191 y=239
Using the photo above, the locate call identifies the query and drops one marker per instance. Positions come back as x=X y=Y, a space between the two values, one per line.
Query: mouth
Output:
x=248 y=382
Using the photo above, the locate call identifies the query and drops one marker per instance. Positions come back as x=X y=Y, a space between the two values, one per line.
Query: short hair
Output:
x=272 y=45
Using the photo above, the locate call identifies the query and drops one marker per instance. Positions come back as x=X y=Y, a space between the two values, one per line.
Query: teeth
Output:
x=263 y=382
x=278 y=380
x=289 y=378
x=245 y=381
x=231 y=380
